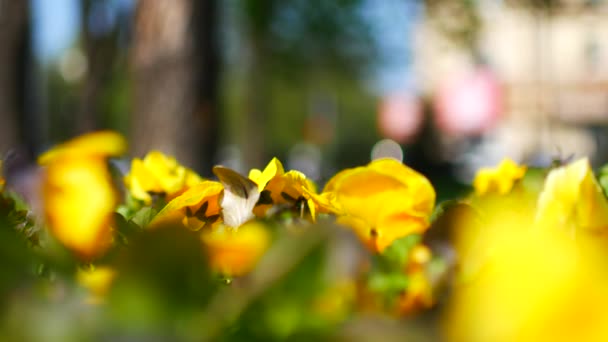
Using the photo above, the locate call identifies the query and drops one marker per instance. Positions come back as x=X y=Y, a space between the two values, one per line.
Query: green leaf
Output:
x=602 y=176
x=388 y=283
x=397 y=254
x=125 y=229
x=144 y=216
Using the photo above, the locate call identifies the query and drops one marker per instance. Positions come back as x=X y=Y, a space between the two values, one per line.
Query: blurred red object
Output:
x=469 y=104
x=400 y=117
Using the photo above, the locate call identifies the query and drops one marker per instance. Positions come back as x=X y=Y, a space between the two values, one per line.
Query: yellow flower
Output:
x=196 y=208
x=79 y=197
x=572 y=198
x=160 y=174
x=529 y=283
x=97 y=281
x=498 y=180
x=235 y=252
x=382 y=201
x=290 y=189
x=419 y=293
x=100 y=144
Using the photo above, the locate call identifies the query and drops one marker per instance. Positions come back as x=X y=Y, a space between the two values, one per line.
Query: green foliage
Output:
x=387 y=276
x=322 y=34
x=18 y=236
x=285 y=309
x=16 y=216
x=163 y=280
x=603 y=179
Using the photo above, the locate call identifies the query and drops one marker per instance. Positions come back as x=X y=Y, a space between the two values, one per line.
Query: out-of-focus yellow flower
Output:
x=419 y=293
x=100 y=144
x=289 y=189
x=97 y=281
x=383 y=201
x=79 y=197
x=235 y=252
x=158 y=173
x=572 y=198
x=523 y=281
x=196 y=208
x=499 y=180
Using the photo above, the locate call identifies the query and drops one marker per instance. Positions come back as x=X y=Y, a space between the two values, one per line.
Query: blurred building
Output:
x=551 y=62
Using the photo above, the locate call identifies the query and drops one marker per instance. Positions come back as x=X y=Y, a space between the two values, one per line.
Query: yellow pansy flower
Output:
x=158 y=173
x=289 y=189
x=382 y=201
x=196 y=208
x=499 y=180
x=79 y=197
x=235 y=252
x=529 y=283
x=100 y=144
x=572 y=198
x=97 y=281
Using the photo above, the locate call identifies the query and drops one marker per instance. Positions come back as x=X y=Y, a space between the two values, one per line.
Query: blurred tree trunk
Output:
x=175 y=68
x=14 y=46
x=100 y=49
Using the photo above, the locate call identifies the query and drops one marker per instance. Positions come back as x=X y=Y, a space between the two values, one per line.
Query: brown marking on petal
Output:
x=287 y=197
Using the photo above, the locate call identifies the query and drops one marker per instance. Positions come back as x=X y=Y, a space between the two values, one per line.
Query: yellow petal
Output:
x=97 y=281
x=261 y=178
x=323 y=203
x=419 y=294
x=499 y=180
x=168 y=173
x=192 y=178
x=508 y=298
x=572 y=198
x=289 y=189
x=100 y=144
x=235 y=252
x=140 y=181
x=191 y=201
x=158 y=173
x=79 y=202
x=383 y=201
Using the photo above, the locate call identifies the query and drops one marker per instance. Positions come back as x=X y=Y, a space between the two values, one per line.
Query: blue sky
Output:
x=54 y=26
x=392 y=24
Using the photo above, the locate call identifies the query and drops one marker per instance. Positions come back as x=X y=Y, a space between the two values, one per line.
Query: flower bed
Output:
x=162 y=253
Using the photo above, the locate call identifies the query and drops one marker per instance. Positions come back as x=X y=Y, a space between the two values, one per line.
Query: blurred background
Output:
x=448 y=86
